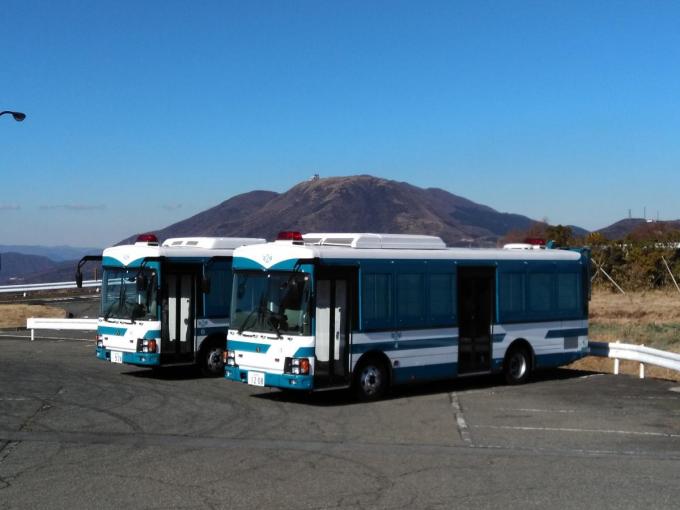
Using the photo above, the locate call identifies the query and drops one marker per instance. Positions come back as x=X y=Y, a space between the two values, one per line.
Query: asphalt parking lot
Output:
x=76 y=432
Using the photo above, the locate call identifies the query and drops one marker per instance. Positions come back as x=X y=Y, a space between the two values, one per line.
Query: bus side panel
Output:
x=415 y=355
x=553 y=343
x=407 y=312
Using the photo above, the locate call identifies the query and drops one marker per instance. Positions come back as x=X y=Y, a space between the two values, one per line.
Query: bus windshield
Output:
x=121 y=299
x=272 y=302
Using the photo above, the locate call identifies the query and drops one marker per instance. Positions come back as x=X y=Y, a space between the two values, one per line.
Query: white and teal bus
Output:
x=369 y=311
x=166 y=304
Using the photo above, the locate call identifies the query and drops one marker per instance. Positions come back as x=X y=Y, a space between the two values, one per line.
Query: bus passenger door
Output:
x=476 y=298
x=177 y=327
x=333 y=326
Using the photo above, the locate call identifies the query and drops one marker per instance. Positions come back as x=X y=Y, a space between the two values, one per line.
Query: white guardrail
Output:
x=47 y=286
x=640 y=353
x=34 y=323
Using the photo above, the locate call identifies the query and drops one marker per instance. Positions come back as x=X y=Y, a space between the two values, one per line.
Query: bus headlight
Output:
x=230 y=358
x=100 y=341
x=297 y=366
x=148 y=345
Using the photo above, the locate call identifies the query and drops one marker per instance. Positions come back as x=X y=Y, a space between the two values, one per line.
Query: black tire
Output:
x=371 y=380
x=517 y=365
x=211 y=359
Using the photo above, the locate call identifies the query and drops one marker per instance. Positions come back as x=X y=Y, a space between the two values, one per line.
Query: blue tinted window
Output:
x=568 y=292
x=218 y=300
x=410 y=299
x=376 y=300
x=442 y=302
x=540 y=292
x=512 y=294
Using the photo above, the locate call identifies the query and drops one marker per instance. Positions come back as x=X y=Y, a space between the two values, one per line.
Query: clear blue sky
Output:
x=142 y=113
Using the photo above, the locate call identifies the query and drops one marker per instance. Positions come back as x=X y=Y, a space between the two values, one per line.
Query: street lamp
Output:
x=18 y=116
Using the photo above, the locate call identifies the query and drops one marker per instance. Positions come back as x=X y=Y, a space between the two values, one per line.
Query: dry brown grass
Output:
x=650 y=318
x=638 y=307
x=15 y=315
x=606 y=365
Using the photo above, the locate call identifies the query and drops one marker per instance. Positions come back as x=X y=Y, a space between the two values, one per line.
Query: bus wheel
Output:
x=371 y=380
x=517 y=365
x=212 y=363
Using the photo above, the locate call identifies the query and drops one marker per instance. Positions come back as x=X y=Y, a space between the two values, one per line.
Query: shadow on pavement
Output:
x=177 y=373
x=480 y=382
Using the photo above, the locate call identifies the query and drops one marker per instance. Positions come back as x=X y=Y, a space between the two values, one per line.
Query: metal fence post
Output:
x=616 y=363
x=642 y=368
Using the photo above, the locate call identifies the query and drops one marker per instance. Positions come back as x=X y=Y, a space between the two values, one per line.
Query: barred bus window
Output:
x=376 y=302
x=218 y=301
x=442 y=302
x=512 y=293
x=568 y=291
x=540 y=292
x=410 y=299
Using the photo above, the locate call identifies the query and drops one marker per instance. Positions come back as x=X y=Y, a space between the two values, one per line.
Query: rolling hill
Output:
x=361 y=203
x=352 y=204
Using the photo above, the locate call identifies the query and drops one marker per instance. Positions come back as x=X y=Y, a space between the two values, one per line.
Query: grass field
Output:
x=15 y=315
x=649 y=318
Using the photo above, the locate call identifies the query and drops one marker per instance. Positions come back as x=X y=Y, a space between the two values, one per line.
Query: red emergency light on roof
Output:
x=536 y=241
x=147 y=238
x=289 y=235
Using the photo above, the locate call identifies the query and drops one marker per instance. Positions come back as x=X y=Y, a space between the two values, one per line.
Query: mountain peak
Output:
x=356 y=203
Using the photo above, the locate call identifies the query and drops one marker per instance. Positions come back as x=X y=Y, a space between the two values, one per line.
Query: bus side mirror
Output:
x=141 y=282
x=205 y=285
x=79 y=279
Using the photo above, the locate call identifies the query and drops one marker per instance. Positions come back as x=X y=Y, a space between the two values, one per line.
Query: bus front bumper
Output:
x=285 y=381
x=132 y=358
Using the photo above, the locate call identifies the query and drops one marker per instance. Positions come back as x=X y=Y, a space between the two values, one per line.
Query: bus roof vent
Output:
x=522 y=246
x=212 y=243
x=385 y=241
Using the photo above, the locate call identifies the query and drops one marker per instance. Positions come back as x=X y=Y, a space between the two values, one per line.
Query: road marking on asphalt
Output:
x=460 y=420
x=55 y=338
x=13 y=399
x=640 y=397
x=676 y=389
x=562 y=411
x=584 y=431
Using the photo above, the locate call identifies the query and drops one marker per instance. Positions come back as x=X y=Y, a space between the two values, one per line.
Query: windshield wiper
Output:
x=245 y=322
x=272 y=322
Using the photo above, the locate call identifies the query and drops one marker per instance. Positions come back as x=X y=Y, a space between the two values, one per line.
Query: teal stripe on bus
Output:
x=562 y=333
x=304 y=352
x=238 y=345
x=110 y=330
x=403 y=375
x=153 y=333
x=404 y=345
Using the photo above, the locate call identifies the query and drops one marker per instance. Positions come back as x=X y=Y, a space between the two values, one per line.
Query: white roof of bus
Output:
x=272 y=253
x=181 y=247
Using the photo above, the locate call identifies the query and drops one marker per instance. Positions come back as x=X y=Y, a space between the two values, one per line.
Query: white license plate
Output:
x=256 y=378
x=116 y=357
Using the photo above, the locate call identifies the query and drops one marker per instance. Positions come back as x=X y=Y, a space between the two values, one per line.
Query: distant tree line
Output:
x=636 y=262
